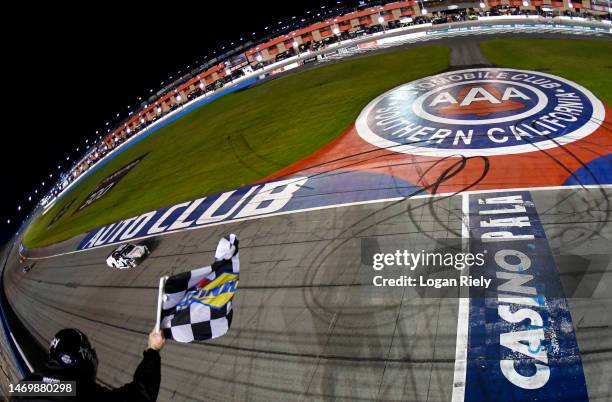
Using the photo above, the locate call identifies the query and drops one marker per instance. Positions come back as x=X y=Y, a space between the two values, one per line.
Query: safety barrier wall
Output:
x=13 y=365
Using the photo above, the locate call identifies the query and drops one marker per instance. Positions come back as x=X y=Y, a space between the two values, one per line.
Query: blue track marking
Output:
x=522 y=345
x=596 y=171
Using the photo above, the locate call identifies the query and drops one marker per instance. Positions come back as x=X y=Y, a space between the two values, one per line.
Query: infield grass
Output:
x=237 y=139
x=587 y=62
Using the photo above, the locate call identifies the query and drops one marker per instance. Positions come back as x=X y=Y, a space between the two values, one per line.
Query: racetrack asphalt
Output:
x=305 y=324
x=308 y=324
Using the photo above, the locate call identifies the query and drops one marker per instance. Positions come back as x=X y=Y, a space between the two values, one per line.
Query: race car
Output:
x=127 y=256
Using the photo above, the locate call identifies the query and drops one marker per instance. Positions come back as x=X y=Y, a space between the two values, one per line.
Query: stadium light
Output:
x=159 y=109
x=127 y=130
x=482 y=4
x=336 y=31
x=178 y=98
x=423 y=11
x=201 y=85
x=142 y=120
x=18 y=207
x=525 y=3
x=570 y=5
x=380 y=19
x=259 y=58
x=8 y=221
x=295 y=44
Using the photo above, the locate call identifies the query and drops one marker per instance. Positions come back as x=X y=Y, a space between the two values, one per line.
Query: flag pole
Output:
x=160 y=295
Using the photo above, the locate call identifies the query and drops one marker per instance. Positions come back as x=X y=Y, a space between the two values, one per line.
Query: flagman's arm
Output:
x=145 y=384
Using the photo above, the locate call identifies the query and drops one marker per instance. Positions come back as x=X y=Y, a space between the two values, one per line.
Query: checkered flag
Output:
x=197 y=305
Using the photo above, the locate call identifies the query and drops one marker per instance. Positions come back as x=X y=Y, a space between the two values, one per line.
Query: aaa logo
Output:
x=479 y=101
x=484 y=111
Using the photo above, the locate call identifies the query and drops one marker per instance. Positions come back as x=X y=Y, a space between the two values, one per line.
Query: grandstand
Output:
x=300 y=43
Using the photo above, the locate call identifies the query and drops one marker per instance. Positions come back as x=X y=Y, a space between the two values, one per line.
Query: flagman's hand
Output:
x=156 y=340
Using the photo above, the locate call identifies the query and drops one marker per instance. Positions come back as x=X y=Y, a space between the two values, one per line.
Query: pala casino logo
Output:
x=484 y=111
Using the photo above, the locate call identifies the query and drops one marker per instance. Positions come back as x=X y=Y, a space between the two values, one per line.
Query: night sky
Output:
x=68 y=74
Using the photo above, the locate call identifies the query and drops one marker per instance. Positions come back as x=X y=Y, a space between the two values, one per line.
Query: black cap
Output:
x=71 y=350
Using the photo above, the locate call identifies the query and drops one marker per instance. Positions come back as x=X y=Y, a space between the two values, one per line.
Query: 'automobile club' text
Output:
x=568 y=110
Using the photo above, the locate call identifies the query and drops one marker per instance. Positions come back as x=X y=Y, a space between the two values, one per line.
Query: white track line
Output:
x=464 y=310
x=21 y=353
x=349 y=204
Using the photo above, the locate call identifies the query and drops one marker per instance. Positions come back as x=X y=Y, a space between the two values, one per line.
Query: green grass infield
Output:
x=237 y=139
x=587 y=62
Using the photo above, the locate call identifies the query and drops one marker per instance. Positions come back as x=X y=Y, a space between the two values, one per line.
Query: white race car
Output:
x=127 y=256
